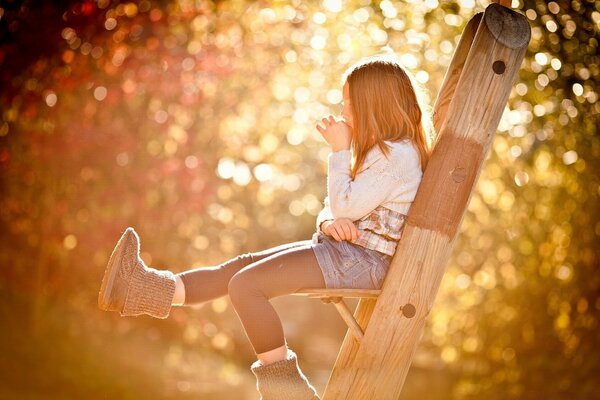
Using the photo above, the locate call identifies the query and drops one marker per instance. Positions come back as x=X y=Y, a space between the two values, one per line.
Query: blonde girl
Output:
x=378 y=153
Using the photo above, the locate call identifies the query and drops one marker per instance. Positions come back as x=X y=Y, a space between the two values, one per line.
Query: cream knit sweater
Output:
x=391 y=182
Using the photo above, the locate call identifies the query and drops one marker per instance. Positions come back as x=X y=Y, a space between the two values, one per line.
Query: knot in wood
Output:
x=458 y=174
x=334 y=299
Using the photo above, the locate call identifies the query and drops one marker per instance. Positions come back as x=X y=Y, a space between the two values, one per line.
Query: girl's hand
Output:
x=336 y=132
x=340 y=229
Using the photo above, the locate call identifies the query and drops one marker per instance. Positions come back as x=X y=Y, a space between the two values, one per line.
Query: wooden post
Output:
x=455 y=69
x=376 y=368
x=505 y=3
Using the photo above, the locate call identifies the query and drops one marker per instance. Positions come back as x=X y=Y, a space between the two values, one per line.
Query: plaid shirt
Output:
x=379 y=230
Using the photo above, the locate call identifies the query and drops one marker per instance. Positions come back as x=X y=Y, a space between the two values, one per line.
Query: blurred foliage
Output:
x=193 y=122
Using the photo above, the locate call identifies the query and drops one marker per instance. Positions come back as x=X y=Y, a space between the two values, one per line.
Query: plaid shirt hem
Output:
x=380 y=230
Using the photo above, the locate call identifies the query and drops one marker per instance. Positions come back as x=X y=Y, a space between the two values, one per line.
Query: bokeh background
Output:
x=193 y=122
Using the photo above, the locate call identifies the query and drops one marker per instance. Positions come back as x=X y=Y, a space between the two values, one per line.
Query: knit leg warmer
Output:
x=150 y=292
x=283 y=380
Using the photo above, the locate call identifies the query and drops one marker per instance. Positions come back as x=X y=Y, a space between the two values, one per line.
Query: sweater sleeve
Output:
x=370 y=188
x=324 y=214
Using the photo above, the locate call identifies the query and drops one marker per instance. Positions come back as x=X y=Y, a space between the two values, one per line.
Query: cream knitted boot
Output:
x=132 y=288
x=283 y=380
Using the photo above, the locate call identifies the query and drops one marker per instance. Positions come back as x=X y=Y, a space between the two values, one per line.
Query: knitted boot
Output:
x=132 y=288
x=283 y=380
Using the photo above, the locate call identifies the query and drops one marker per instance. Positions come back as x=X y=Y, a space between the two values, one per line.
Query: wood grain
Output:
x=505 y=3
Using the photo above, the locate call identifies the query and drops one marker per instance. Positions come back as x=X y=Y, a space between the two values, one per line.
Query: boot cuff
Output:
x=283 y=380
x=151 y=292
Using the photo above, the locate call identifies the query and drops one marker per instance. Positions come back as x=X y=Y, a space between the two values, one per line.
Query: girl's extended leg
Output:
x=202 y=284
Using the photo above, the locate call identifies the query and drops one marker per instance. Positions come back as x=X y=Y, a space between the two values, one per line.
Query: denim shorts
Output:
x=346 y=265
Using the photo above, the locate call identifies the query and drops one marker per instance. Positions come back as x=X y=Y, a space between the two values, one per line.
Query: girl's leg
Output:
x=202 y=284
x=251 y=288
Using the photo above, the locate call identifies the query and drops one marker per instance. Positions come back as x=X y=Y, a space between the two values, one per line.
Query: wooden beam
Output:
x=347 y=316
x=376 y=367
x=505 y=3
x=454 y=71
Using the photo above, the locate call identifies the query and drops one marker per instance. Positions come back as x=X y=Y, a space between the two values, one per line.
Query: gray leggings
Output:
x=252 y=279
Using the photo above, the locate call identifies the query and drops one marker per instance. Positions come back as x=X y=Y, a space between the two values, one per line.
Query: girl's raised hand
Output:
x=341 y=229
x=336 y=132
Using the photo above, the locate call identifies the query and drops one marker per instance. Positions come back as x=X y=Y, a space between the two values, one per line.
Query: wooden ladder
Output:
x=387 y=324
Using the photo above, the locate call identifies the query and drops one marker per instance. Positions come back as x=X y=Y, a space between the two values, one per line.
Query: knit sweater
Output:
x=381 y=184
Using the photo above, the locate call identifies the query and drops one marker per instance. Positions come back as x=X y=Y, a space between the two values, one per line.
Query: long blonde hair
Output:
x=386 y=104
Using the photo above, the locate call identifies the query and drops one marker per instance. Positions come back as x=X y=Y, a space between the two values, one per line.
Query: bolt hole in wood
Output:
x=498 y=66
x=408 y=310
x=458 y=174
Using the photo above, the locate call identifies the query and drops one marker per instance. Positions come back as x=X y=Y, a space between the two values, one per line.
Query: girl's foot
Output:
x=282 y=380
x=132 y=288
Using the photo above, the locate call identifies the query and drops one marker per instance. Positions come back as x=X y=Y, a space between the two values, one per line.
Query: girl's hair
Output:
x=387 y=104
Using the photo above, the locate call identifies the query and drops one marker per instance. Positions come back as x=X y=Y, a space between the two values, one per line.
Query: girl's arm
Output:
x=324 y=214
x=344 y=230
x=370 y=188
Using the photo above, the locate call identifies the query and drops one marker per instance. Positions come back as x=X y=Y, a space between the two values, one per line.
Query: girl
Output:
x=356 y=232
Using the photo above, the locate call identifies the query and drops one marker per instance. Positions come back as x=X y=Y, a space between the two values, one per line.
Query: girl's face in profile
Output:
x=347 y=110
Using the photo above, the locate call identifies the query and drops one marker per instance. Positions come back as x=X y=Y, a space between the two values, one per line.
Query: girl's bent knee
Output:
x=243 y=287
x=236 y=286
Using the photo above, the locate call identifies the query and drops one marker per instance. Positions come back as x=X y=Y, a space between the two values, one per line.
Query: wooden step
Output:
x=324 y=293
